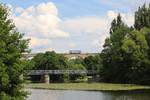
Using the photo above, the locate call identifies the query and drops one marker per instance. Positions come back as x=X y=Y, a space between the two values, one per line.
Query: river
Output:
x=39 y=94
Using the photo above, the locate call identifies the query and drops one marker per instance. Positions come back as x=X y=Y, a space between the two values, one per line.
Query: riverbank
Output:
x=88 y=86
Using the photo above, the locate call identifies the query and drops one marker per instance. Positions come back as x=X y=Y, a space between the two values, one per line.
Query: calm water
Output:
x=39 y=94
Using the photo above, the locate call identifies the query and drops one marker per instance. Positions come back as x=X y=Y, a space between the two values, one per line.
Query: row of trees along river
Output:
x=125 y=57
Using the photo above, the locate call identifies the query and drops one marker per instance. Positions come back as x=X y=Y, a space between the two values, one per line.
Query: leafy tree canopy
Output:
x=49 y=61
x=12 y=45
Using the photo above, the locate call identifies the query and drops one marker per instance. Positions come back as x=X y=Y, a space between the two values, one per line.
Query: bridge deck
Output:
x=41 y=72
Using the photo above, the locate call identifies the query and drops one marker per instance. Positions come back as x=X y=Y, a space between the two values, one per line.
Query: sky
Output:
x=63 y=25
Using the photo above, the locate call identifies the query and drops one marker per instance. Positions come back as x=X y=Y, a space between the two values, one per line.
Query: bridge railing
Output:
x=41 y=72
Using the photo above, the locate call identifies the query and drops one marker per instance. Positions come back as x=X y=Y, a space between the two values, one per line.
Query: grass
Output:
x=87 y=86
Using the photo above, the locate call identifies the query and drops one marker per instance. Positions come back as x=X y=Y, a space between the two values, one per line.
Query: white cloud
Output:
x=89 y=29
x=39 y=21
x=94 y=24
x=42 y=24
x=87 y=24
x=38 y=42
x=96 y=42
x=72 y=45
x=111 y=14
x=94 y=29
x=19 y=10
x=128 y=18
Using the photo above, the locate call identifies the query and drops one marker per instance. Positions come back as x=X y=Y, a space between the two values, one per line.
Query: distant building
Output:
x=74 y=51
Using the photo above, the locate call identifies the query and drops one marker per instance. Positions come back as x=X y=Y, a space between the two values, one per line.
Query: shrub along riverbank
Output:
x=88 y=86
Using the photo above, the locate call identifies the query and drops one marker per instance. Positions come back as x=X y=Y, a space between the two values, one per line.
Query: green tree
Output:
x=142 y=17
x=146 y=32
x=50 y=61
x=142 y=23
x=126 y=53
x=93 y=63
x=12 y=45
x=112 y=54
x=135 y=48
x=116 y=23
x=75 y=64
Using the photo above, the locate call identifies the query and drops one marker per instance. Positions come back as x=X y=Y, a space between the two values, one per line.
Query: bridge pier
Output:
x=45 y=78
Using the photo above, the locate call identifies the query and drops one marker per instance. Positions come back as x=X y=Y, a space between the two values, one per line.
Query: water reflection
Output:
x=39 y=94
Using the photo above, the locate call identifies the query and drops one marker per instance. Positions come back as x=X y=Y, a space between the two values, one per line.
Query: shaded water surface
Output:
x=39 y=94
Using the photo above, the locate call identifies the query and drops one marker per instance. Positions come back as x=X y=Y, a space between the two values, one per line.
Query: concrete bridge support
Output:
x=45 y=78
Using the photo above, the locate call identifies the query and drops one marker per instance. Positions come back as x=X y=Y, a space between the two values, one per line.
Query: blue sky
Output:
x=62 y=25
x=70 y=8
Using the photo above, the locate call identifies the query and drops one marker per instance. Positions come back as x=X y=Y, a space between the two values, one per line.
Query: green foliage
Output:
x=142 y=17
x=126 y=54
x=93 y=63
x=116 y=24
x=49 y=61
x=112 y=54
x=53 y=61
x=146 y=32
x=12 y=45
x=135 y=48
x=75 y=64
